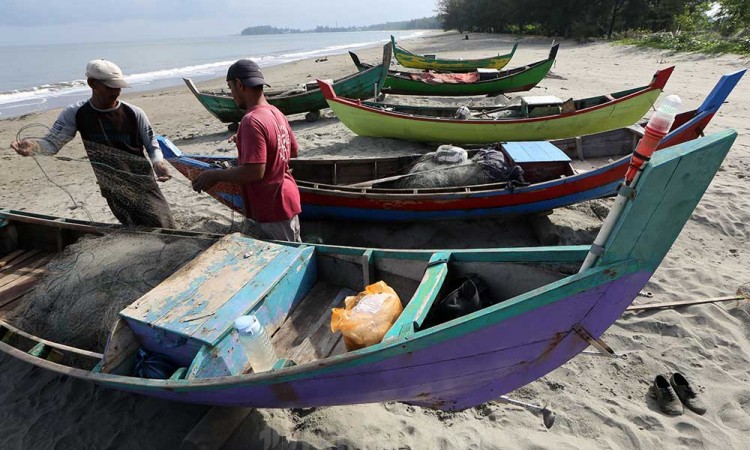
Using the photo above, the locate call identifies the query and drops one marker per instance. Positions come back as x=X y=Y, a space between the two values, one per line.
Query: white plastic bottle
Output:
x=256 y=343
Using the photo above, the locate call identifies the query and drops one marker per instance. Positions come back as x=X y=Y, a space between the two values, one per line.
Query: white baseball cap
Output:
x=107 y=72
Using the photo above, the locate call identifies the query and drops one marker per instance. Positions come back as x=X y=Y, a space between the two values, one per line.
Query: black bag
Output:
x=153 y=365
x=464 y=299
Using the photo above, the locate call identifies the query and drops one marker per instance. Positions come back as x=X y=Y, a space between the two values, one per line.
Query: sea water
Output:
x=41 y=77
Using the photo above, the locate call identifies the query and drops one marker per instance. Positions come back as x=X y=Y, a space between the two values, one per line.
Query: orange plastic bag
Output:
x=367 y=316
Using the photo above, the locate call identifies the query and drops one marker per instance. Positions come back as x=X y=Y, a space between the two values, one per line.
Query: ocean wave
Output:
x=141 y=80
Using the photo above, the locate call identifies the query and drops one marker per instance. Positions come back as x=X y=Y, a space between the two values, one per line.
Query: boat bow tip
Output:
x=168 y=149
x=326 y=89
x=661 y=77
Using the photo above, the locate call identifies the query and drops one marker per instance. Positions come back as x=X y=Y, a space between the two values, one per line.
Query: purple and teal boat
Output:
x=541 y=314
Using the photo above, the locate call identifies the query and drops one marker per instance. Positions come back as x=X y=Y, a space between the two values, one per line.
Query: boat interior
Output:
x=541 y=161
x=528 y=107
x=290 y=288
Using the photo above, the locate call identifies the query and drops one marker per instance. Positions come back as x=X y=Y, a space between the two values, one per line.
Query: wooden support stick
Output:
x=685 y=303
x=215 y=428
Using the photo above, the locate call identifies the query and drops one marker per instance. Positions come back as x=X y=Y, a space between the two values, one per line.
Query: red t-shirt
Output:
x=265 y=136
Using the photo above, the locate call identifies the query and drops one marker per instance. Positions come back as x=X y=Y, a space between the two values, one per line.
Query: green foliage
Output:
x=694 y=18
x=704 y=42
x=684 y=24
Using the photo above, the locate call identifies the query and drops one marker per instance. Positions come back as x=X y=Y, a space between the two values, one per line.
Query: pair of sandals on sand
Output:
x=673 y=393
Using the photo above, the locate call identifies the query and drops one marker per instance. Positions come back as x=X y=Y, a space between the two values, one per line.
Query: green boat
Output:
x=429 y=62
x=482 y=82
x=535 y=119
x=361 y=85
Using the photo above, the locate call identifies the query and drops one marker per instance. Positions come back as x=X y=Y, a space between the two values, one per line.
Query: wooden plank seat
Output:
x=20 y=271
x=190 y=316
x=413 y=316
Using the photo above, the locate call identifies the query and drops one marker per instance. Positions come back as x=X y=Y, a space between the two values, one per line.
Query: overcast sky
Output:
x=48 y=21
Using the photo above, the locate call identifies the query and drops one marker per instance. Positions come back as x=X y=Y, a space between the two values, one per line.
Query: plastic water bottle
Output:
x=658 y=127
x=256 y=343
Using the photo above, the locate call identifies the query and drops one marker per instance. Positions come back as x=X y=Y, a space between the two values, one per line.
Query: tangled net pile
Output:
x=78 y=300
x=487 y=166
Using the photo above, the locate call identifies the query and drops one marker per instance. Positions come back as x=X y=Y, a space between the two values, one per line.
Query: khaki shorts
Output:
x=285 y=230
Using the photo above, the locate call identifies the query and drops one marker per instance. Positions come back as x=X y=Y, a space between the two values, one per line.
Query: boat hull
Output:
x=456 y=369
x=362 y=85
x=518 y=80
x=415 y=61
x=368 y=122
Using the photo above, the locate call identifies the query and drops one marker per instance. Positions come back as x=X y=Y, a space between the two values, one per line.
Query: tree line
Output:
x=594 y=18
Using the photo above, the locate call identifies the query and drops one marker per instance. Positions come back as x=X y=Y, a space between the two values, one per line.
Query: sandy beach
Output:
x=599 y=402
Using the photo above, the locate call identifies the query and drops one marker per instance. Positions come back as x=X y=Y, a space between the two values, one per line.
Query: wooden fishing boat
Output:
x=536 y=118
x=539 y=315
x=361 y=85
x=415 y=61
x=481 y=82
x=326 y=189
x=363 y=189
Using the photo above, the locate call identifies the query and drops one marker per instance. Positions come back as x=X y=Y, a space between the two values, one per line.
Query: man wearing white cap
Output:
x=114 y=135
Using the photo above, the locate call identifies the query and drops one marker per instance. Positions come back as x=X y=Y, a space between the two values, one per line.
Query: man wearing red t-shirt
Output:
x=265 y=143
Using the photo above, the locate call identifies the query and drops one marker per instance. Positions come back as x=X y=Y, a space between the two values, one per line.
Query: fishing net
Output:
x=77 y=301
x=125 y=179
x=486 y=166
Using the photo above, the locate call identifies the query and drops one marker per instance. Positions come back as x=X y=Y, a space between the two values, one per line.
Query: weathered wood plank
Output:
x=224 y=281
x=306 y=335
x=18 y=260
x=121 y=345
x=33 y=267
x=9 y=257
x=14 y=290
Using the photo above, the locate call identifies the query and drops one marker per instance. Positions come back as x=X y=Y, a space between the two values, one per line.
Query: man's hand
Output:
x=233 y=139
x=206 y=180
x=162 y=171
x=25 y=147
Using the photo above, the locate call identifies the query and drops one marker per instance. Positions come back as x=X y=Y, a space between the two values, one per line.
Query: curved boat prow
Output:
x=512 y=51
x=553 y=50
x=168 y=149
x=690 y=124
x=721 y=91
x=661 y=77
x=326 y=89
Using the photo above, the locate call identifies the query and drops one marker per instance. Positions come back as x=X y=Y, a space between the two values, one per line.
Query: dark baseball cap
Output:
x=247 y=71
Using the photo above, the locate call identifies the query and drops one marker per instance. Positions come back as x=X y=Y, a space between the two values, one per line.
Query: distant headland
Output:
x=425 y=23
